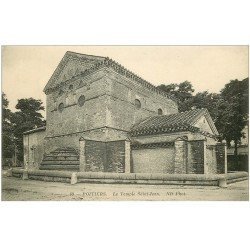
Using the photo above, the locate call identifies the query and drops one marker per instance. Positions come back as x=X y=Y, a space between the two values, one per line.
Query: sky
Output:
x=27 y=69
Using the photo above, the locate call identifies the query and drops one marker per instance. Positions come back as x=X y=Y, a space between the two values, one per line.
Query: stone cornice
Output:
x=129 y=74
x=34 y=130
x=84 y=131
x=152 y=145
x=171 y=129
x=208 y=134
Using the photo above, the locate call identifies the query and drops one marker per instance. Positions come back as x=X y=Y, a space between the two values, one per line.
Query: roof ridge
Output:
x=82 y=54
x=187 y=111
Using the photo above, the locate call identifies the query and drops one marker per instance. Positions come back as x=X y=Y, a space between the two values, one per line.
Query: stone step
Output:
x=64 y=151
x=47 y=162
x=66 y=154
x=59 y=167
x=61 y=158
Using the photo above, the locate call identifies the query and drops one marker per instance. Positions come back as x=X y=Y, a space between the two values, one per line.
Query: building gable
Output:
x=71 y=65
x=203 y=124
x=75 y=64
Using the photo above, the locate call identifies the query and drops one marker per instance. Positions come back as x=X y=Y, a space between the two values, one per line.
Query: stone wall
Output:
x=72 y=139
x=189 y=155
x=122 y=95
x=107 y=114
x=33 y=149
x=211 y=159
x=196 y=157
x=220 y=158
x=115 y=151
x=105 y=156
x=181 y=156
x=75 y=118
x=155 y=160
x=95 y=153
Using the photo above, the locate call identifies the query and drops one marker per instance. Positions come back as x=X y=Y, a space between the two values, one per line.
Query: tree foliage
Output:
x=7 y=129
x=228 y=109
x=233 y=111
x=183 y=92
x=207 y=100
x=26 y=117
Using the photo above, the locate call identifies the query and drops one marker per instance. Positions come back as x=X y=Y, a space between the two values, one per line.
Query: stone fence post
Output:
x=206 y=170
x=221 y=158
x=127 y=156
x=180 y=160
x=225 y=148
x=82 y=157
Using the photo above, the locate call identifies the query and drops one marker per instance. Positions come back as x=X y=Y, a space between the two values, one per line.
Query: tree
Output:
x=229 y=109
x=26 y=118
x=207 y=100
x=7 y=135
x=183 y=92
x=233 y=111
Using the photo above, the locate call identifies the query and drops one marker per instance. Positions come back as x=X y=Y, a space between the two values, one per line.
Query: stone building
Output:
x=102 y=117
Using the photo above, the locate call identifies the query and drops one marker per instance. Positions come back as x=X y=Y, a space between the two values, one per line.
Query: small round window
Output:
x=81 y=100
x=70 y=87
x=61 y=107
x=137 y=104
x=160 y=112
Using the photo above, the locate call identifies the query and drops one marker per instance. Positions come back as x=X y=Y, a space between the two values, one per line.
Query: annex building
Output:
x=101 y=117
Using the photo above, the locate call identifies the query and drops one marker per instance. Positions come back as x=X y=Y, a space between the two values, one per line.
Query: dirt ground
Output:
x=14 y=189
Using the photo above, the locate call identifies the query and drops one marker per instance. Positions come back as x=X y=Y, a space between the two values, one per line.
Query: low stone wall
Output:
x=236 y=176
x=43 y=175
x=129 y=178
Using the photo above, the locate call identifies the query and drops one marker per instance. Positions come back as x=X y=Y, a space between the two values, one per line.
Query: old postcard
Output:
x=125 y=123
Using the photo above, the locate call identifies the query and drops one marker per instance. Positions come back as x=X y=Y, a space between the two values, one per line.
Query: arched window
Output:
x=61 y=107
x=70 y=87
x=137 y=104
x=81 y=100
x=160 y=112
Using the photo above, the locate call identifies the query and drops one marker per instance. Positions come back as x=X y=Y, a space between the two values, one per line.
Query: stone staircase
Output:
x=61 y=159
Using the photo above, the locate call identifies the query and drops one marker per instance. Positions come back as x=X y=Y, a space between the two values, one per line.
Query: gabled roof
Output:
x=79 y=61
x=87 y=64
x=184 y=121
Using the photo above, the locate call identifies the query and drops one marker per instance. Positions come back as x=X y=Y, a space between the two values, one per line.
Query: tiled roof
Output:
x=183 y=121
